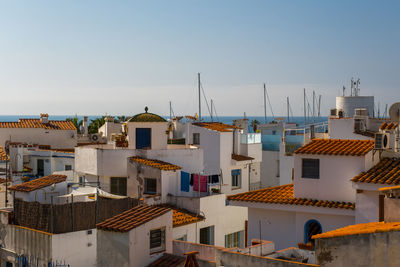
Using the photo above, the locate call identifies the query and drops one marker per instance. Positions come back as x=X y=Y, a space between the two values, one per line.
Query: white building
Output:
x=41 y=190
x=56 y=134
x=218 y=156
x=135 y=237
x=320 y=199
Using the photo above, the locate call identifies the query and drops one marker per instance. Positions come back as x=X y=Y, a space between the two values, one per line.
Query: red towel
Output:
x=203 y=183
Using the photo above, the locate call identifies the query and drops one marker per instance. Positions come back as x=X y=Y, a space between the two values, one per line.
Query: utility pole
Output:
x=198 y=77
x=265 y=104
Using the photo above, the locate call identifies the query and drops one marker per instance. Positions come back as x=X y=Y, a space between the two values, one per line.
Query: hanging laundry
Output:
x=185 y=181
x=196 y=182
x=203 y=183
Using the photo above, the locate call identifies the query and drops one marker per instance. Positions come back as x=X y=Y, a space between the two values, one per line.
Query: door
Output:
x=143 y=138
x=40 y=167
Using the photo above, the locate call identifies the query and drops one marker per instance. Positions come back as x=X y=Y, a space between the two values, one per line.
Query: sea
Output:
x=299 y=120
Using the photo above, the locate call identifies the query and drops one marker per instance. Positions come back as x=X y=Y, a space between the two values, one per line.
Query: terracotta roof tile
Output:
x=388 y=126
x=35 y=123
x=3 y=156
x=362 y=228
x=337 y=147
x=284 y=195
x=387 y=171
x=39 y=183
x=216 y=126
x=182 y=217
x=132 y=218
x=168 y=260
x=162 y=165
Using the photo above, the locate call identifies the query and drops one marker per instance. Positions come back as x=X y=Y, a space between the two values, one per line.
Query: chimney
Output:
x=44 y=118
x=85 y=125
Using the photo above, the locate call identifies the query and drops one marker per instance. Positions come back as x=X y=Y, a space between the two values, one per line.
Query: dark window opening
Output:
x=150 y=186
x=207 y=235
x=310 y=168
x=143 y=138
x=68 y=167
x=312 y=227
x=196 y=139
x=118 y=186
x=40 y=167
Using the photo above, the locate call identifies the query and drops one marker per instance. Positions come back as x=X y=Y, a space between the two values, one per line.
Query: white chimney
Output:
x=44 y=118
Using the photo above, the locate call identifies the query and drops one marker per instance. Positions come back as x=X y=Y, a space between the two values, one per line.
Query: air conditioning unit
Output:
x=333 y=112
x=381 y=141
x=361 y=112
x=94 y=137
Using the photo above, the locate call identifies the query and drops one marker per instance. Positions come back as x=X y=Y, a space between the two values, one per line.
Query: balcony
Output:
x=250 y=138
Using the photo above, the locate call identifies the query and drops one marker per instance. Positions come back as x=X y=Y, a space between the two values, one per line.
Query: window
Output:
x=118 y=186
x=9 y=264
x=68 y=167
x=150 y=186
x=81 y=180
x=196 y=139
x=40 y=167
x=143 y=138
x=236 y=178
x=207 y=235
x=310 y=168
x=182 y=238
x=234 y=240
x=157 y=240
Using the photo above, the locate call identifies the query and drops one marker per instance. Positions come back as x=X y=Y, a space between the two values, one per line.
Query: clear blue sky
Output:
x=115 y=57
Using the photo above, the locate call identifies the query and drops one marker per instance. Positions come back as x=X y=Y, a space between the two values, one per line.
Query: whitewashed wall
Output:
x=159 y=139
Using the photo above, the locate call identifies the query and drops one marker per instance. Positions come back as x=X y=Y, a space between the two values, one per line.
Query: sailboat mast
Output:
x=211 y=110
x=305 y=107
x=287 y=100
x=199 y=84
x=265 y=104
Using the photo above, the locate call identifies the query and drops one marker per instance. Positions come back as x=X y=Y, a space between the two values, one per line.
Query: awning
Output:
x=91 y=191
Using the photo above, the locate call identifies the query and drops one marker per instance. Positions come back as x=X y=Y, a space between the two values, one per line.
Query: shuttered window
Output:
x=157 y=239
x=118 y=186
x=310 y=168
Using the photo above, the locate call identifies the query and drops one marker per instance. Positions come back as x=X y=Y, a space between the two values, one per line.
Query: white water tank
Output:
x=349 y=103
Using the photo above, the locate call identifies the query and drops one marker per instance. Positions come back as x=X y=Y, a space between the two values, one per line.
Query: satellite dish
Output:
x=394 y=112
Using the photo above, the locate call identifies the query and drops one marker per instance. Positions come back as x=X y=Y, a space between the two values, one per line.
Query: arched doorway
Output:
x=312 y=227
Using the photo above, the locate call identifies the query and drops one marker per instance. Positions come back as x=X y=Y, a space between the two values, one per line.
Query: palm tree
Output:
x=95 y=124
x=254 y=124
x=76 y=122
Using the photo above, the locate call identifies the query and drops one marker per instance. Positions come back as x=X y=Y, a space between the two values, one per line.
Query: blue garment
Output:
x=185 y=179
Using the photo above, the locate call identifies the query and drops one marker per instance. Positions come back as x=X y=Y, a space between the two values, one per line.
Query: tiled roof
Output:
x=388 y=126
x=39 y=183
x=3 y=156
x=241 y=157
x=35 y=123
x=284 y=195
x=182 y=217
x=132 y=218
x=66 y=150
x=384 y=189
x=337 y=147
x=168 y=260
x=387 y=171
x=162 y=165
x=216 y=126
x=362 y=228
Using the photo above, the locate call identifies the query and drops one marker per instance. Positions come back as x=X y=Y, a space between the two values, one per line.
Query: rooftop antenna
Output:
x=344 y=89
x=385 y=114
x=351 y=86
x=265 y=104
x=199 y=84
